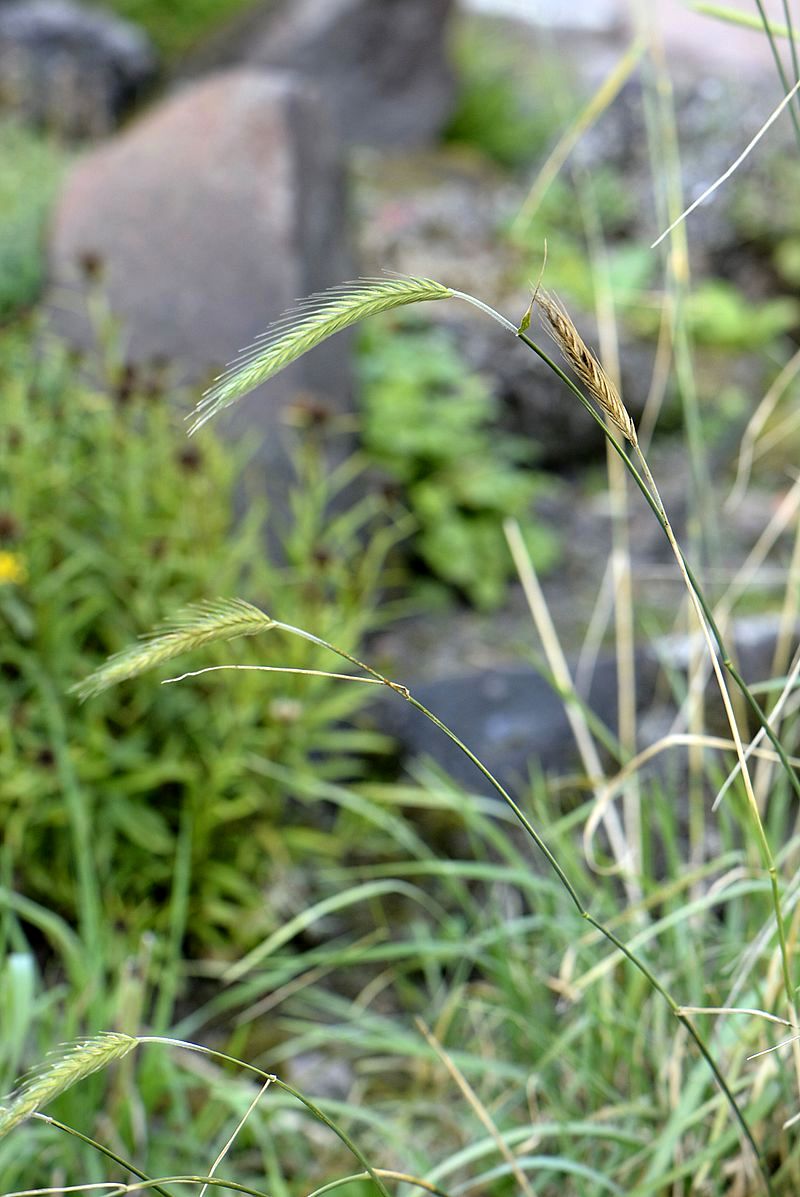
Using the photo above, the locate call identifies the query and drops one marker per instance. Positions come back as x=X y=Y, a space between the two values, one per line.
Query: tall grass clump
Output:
x=723 y=1103
x=580 y=986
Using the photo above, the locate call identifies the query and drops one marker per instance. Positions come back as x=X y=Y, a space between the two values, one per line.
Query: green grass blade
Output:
x=734 y=17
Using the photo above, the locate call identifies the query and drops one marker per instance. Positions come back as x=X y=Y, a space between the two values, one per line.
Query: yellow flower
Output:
x=12 y=569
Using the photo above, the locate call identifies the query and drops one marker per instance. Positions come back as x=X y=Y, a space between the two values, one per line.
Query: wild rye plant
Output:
x=223 y=619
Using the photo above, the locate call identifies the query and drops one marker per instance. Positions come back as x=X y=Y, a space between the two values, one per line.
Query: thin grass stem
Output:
x=792 y=42
x=389 y=1174
x=287 y=1088
x=234 y=1134
x=563 y=679
x=566 y=883
x=342 y=677
x=106 y=1151
x=477 y=1106
x=620 y=561
x=712 y=634
x=656 y=508
x=778 y=61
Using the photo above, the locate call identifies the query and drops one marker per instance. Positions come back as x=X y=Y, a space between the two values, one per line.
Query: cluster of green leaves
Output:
x=719 y=316
x=432 y=426
x=111 y=520
x=505 y=108
x=31 y=165
x=179 y=25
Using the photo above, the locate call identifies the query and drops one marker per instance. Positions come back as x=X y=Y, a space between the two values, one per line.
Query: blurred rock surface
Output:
x=514 y=721
x=71 y=69
x=381 y=64
x=203 y=221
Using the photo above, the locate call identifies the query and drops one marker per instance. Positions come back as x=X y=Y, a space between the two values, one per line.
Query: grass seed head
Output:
x=559 y=325
x=77 y=1061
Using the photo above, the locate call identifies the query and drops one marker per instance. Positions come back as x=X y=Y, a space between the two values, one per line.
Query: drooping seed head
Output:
x=199 y=624
x=61 y=1072
x=559 y=325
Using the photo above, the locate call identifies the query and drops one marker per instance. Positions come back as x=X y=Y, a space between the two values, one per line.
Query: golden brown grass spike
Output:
x=557 y=322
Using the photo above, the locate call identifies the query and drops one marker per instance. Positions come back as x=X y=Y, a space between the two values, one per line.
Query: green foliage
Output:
x=178 y=25
x=629 y=267
x=718 y=315
x=767 y=213
x=487 y=949
x=30 y=168
x=153 y=810
x=786 y=259
x=165 y=1118
x=432 y=426
x=505 y=107
x=111 y=521
x=489 y=118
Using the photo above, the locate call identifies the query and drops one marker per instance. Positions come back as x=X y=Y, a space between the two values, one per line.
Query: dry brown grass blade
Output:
x=478 y=1107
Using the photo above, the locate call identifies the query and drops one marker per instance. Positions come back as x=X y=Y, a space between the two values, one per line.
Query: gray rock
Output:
x=206 y=219
x=380 y=64
x=513 y=720
x=72 y=69
x=708 y=142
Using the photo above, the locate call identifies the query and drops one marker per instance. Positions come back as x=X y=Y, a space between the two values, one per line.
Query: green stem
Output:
x=268 y=1076
x=106 y=1151
x=650 y=493
x=778 y=63
x=520 y=815
x=655 y=507
x=219 y=1182
x=792 y=43
x=742 y=685
x=405 y=1177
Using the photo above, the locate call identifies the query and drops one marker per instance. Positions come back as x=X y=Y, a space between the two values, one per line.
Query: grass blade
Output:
x=733 y=16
